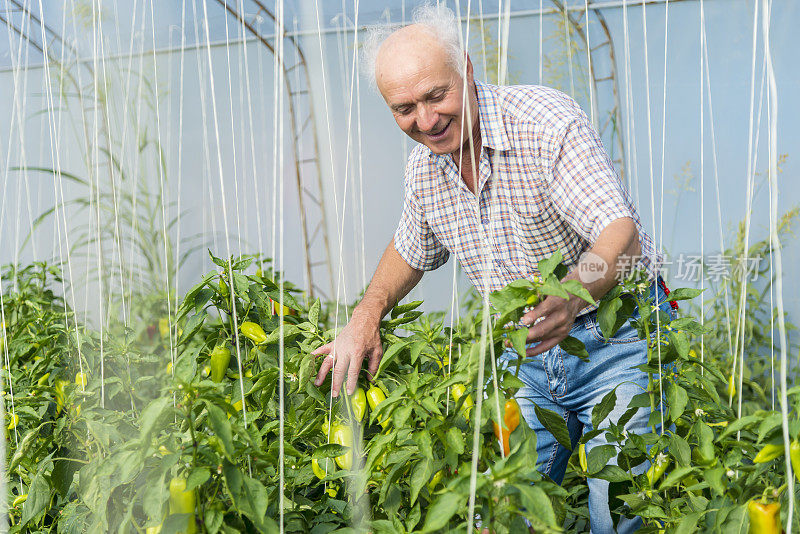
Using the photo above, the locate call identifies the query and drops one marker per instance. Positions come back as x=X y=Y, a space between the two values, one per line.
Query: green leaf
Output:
x=576 y=288
x=222 y=427
x=611 y=473
x=553 y=287
x=684 y=293
x=714 y=477
x=607 y=316
x=443 y=508
x=389 y=356
x=598 y=456
x=175 y=523
x=675 y=476
x=537 y=504
x=420 y=476
x=677 y=399
x=555 y=424
x=548 y=266
x=329 y=450
x=38 y=499
x=313 y=312
x=455 y=440
x=197 y=478
x=680 y=341
x=679 y=449
x=604 y=408
x=193 y=325
x=23 y=448
x=740 y=424
x=519 y=339
x=688 y=523
x=403 y=308
x=151 y=416
x=575 y=347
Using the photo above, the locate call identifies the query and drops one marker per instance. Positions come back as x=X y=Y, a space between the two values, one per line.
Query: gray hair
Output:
x=439 y=20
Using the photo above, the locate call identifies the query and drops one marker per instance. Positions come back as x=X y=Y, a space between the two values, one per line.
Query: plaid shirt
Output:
x=545 y=183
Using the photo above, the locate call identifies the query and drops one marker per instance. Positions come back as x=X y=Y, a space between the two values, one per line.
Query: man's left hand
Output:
x=559 y=316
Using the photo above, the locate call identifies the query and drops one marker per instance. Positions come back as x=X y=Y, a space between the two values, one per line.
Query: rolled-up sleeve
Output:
x=414 y=240
x=583 y=184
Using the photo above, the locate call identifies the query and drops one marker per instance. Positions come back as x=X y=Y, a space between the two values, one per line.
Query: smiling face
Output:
x=423 y=90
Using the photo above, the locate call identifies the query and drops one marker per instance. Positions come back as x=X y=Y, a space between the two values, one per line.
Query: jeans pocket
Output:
x=626 y=334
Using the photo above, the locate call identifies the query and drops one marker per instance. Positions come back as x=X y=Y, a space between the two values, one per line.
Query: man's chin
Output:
x=442 y=148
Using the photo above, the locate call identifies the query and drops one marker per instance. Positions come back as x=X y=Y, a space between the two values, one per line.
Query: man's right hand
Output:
x=358 y=340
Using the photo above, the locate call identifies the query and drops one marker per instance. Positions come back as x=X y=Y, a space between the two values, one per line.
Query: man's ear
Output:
x=469 y=68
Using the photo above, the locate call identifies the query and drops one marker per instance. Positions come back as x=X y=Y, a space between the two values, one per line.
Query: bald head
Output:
x=411 y=50
x=433 y=24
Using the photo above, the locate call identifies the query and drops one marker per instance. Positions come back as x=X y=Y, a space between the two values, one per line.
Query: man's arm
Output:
x=360 y=338
x=619 y=238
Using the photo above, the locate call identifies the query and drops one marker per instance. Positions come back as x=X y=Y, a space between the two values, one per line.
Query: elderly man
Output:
x=503 y=177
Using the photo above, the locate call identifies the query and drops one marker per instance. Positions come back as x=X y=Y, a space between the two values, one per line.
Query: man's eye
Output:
x=405 y=110
x=437 y=97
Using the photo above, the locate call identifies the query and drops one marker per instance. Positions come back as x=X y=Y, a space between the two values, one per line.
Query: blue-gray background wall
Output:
x=184 y=122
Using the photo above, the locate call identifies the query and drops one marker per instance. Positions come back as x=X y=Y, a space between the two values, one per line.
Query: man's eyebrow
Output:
x=430 y=93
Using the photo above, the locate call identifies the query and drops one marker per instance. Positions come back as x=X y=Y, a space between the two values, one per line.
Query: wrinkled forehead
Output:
x=413 y=64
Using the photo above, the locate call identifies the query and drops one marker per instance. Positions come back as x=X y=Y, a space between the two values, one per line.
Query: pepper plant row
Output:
x=221 y=429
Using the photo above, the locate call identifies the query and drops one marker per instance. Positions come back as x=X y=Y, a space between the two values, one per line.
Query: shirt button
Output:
x=484 y=221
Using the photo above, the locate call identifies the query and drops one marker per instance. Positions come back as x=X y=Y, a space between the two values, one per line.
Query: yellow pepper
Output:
x=253 y=332
x=768 y=453
x=343 y=435
x=765 y=518
x=182 y=502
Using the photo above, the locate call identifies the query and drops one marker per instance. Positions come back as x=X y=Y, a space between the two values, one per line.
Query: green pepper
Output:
x=375 y=396
x=437 y=477
x=253 y=332
x=457 y=391
x=765 y=518
x=343 y=435
x=582 y=458
x=704 y=454
x=223 y=287
x=318 y=470
x=657 y=468
x=20 y=500
x=794 y=454
x=358 y=402
x=81 y=380
x=182 y=502
x=768 y=453
x=220 y=358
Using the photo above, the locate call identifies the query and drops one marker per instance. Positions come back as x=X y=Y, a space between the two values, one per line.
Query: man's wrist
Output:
x=366 y=316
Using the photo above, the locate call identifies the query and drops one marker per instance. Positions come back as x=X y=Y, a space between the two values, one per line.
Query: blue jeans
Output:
x=569 y=386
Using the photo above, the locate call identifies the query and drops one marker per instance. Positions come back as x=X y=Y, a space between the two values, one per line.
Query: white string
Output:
x=750 y=179
x=174 y=354
x=233 y=138
x=776 y=250
x=652 y=202
x=589 y=61
x=225 y=215
x=541 y=42
x=716 y=181
x=568 y=46
x=58 y=185
x=702 y=186
x=161 y=179
x=279 y=47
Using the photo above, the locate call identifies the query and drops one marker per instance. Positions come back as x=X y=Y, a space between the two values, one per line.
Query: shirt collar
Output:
x=493 y=129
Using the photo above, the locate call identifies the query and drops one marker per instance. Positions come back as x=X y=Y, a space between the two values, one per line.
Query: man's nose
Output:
x=426 y=118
